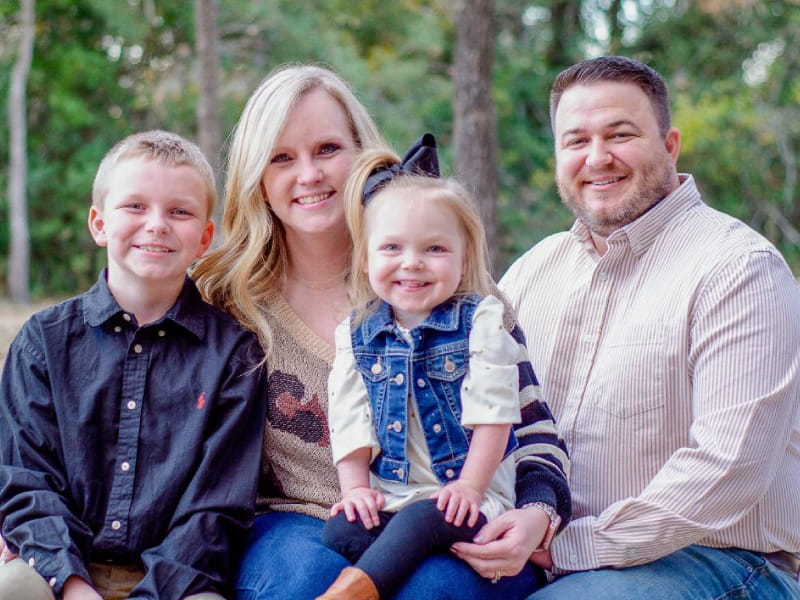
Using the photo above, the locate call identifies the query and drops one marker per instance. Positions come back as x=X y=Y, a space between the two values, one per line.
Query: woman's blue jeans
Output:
x=693 y=573
x=285 y=560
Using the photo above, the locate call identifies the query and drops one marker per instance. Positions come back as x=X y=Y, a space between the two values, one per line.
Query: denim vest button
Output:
x=397 y=426
x=376 y=368
x=450 y=473
x=399 y=379
x=437 y=428
x=449 y=365
x=420 y=382
x=399 y=472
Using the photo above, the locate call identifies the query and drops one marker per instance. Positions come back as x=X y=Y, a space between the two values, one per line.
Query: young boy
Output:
x=131 y=415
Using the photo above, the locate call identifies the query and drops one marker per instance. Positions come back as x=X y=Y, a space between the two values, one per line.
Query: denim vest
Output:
x=432 y=370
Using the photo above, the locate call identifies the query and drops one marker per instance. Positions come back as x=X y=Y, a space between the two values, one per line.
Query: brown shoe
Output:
x=352 y=584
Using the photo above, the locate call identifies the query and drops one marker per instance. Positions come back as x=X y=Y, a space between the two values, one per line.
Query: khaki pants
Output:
x=18 y=581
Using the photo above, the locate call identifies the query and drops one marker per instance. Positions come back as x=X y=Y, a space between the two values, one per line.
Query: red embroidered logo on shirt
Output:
x=201 y=401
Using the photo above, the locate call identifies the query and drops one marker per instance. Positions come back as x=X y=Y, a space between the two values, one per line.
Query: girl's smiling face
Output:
x=415 y=254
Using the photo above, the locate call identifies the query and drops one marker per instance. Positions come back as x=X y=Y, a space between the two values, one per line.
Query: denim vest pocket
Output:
x=449 y=469
x=445 y=370
x=448 y=365
x=390 y=469
x=371 y=365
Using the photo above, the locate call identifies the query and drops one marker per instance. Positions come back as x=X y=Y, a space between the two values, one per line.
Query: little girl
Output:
x=425 y=385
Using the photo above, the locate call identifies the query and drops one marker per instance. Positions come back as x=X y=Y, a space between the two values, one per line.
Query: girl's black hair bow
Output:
x=420 y=159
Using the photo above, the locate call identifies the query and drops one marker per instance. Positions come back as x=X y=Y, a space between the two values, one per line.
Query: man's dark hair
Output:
x=619 y=69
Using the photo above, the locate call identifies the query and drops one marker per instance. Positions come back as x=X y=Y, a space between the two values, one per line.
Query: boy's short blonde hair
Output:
x=167 y=148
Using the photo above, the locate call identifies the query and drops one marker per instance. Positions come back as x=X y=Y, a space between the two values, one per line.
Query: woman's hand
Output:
x=505 y=544
x=363 y=503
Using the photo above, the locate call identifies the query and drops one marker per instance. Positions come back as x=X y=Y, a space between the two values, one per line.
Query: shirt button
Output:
x=573 y=558
x=437 y=428
x=116 y=525
x=126 y=316
x=603 y=276
x=161 y=333
x=450 y=473
x=131 y=405
x=126 y=466
x=587 y=338
x=137 y=348
x=420 y=383
x=117 y=328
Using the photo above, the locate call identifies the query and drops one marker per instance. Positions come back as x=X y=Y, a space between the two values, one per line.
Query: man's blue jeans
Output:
x=285 y=560
x=694 y=573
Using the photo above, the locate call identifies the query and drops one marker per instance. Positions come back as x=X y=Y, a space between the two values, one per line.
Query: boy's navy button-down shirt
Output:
x=131 y=444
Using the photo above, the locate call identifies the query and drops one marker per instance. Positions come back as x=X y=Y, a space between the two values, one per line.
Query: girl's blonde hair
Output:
x=421 y=190
x=252 y=258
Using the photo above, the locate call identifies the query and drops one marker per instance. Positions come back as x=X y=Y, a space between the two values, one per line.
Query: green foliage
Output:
x=102 y=70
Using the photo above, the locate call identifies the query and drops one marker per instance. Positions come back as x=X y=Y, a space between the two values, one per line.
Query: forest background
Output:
x=101 y=69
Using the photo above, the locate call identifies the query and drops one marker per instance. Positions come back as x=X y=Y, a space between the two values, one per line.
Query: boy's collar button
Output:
x=126 y=316
x=117 y=328
x=161 y=333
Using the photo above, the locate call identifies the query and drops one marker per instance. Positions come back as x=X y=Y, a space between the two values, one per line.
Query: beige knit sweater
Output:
x=297 y=472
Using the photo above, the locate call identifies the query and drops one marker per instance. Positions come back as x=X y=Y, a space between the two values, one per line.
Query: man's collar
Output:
x=642 y=232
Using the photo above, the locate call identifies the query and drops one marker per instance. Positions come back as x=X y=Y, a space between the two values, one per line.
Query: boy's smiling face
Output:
x=154 y=223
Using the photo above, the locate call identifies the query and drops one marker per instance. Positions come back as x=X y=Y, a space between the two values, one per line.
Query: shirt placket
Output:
x=593 y=302
x=131 y=404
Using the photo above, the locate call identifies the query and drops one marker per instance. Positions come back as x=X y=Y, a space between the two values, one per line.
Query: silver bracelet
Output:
x=555 y=519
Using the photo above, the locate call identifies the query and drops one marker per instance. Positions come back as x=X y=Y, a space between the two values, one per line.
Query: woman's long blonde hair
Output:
x=421 y=190
x=252 y=258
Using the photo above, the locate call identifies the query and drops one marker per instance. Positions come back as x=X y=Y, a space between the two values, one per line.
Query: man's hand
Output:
x=543 y=559
x=505 y=544
x=6 y=555
x=363 y=503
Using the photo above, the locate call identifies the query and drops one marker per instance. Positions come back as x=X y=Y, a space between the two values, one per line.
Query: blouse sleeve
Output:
x=349 y=411
x=490 y=391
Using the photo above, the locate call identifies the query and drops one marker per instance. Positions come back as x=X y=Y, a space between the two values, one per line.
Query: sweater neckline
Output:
x=303 y=335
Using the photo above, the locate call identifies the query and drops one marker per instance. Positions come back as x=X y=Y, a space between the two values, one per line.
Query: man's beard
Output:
x=656 y=183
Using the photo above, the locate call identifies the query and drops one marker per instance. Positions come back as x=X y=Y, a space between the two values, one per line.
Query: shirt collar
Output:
x=100 y=306
x=443 y=318
x=642 y=232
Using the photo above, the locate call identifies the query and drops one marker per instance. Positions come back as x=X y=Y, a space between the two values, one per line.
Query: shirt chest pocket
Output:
x=631 y=371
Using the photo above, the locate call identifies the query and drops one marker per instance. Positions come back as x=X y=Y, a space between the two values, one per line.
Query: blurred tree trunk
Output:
x=566 y=23
x=615 y=27
x=474 y=120
x=20 y=251
x=209 y=136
